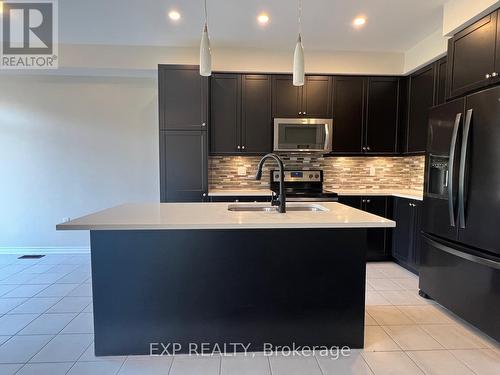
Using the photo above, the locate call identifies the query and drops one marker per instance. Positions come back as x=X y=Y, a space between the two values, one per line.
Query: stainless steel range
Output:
x=303 y=186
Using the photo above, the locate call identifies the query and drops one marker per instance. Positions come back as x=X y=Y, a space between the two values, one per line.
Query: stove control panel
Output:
x=299 y=176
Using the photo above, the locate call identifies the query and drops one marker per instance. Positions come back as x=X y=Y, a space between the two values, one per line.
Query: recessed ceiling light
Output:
x=263 y=18
x=359 y=21
x=174 y=15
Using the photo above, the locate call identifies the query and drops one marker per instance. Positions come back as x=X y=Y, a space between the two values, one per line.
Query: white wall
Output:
x=229 y=59
x=429 y=49
x=458 y=14
x=70 y=146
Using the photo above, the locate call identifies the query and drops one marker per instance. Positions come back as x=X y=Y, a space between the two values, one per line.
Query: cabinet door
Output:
x=421 y=100
x=183 y=97
x=471 y=56
x=183 y=166
x=316 y=97
x=351 y=201
x=402 y=234
x=348 y=114
x=441 y=81
x=286 y=97
x=256 y=120
x=225 y=113
x=376 y=238
x=417 y=229
x=381 y=129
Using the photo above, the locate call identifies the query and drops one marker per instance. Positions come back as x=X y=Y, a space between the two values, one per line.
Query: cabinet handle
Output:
x=300 y=113
x=368 y=148
x=364 y=148
x=305 y=113
x=203 y=124
x=204 y=194
x=368 y=201
x=239 y=147
x=488 y=76
x=242 y=147
x=494 y=74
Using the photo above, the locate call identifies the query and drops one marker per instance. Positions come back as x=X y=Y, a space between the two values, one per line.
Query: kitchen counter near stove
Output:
x=402 y=193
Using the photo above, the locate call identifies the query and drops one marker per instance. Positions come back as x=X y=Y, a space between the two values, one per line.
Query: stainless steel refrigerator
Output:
x=460 y=255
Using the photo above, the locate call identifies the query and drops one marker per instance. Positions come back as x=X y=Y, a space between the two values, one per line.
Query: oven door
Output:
x=302 y=135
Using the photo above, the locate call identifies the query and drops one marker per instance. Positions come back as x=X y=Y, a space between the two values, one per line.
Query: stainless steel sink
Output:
x=248 y=208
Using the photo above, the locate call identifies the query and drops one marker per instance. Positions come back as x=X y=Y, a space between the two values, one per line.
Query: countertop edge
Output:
x=389 y=224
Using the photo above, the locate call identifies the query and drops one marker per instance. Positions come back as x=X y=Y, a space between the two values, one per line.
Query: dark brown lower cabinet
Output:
x=183 y=166
x=406 y=236
x=240 y=198
x=378 y=239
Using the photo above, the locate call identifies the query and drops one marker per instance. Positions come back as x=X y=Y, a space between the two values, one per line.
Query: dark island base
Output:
x=276 y=286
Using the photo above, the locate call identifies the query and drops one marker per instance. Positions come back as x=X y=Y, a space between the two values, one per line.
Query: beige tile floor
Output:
x=46 y=328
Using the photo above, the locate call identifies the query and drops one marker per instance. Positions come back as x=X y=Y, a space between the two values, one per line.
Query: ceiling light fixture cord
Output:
x=298 y=55
x=300 y=17
x=206 y=13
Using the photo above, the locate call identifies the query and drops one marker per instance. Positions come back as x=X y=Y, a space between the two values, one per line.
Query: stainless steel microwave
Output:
x=296 y=135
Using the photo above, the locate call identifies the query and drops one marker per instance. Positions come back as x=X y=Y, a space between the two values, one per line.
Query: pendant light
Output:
x=205 y=52
x=298 y=56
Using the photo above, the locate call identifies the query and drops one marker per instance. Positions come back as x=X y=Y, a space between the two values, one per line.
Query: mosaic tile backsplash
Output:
x=339 y=172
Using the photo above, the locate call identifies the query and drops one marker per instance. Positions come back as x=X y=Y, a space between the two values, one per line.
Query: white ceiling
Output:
x=392 y=26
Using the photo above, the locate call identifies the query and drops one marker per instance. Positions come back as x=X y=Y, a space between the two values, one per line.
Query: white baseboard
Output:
x=44 y=250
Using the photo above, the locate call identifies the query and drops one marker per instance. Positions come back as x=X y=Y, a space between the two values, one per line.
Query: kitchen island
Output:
x=193 y=273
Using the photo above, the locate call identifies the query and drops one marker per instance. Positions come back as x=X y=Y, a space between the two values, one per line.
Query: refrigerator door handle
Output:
x=451 y=167
x=461 y=176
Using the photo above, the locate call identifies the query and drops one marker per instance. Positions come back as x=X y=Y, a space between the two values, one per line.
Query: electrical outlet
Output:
x=372 y=171
x=242 y=171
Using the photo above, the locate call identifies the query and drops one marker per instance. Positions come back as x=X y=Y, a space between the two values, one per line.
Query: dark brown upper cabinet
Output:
x=365 y=115
x=316 y=97
x=348 y=114
x=424 y=89
x=441 y=66
x=382 y=118
x=183 y=98
x=256 y=120
x=225 y=113
x=473 y=57
x=311 y=100
x=421 y=97
x=240 y=114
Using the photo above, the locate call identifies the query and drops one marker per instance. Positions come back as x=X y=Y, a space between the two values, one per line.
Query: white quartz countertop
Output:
x=409 y=194
x=217 y=216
